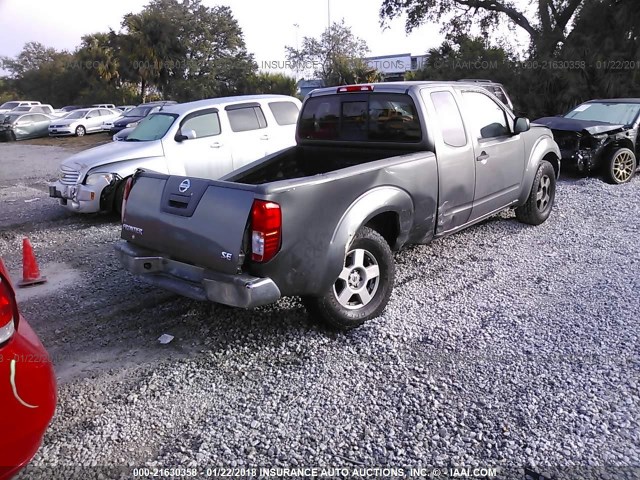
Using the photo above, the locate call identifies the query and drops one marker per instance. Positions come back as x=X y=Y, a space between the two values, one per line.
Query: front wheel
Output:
x=620 y=166
x=543 y=193
x=80 y=131
x=118 y=196
x=363 y=288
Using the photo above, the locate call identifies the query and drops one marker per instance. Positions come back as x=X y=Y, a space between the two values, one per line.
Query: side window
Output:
x=285 y=113
x=38 y=118
x=25 y=119
x=487 y=117
x=449 y=119
x=104 y=112
x=245 y=119
x=93 y=114
x=204 y=124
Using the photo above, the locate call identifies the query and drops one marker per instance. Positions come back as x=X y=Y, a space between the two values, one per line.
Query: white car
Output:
x=42 y=108
x=8 y=106
x=206 y=138
x=82 y=121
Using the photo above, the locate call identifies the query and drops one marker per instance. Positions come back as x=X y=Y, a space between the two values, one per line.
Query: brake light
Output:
x=355 y=88
x=125 y=196
x=266 y=230
x=7 y=312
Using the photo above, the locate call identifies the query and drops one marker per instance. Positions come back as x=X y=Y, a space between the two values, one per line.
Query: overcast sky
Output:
x=268 y=25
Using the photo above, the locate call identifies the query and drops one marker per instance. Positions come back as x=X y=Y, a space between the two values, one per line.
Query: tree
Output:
x=265 y=82
x=337 y=57
x=547 y=27
x=185 y=49
x=467 y=57
x=32 y=56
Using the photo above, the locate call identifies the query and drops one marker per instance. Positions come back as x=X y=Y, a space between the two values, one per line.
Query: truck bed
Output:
x=306 y=161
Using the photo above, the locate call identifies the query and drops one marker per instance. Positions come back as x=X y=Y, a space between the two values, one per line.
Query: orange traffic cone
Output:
x=30 y=270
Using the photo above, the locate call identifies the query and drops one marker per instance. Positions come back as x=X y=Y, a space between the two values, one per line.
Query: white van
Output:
x=206 y=138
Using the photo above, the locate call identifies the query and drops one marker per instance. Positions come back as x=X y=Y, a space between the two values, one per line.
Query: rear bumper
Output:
x=239 y=290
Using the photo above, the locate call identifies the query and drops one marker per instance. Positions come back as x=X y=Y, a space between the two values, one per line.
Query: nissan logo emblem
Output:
x=185 y=185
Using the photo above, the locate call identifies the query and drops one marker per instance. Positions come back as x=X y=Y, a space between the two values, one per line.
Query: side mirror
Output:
x=186 y=135
x=522 y=125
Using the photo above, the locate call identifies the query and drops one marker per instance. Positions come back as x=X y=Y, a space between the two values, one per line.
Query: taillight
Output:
x=7 y=312
x=266 y=230
x=125 y=196
x=355 y=88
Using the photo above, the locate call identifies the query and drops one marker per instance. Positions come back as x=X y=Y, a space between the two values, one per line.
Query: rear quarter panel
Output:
x=322 y=213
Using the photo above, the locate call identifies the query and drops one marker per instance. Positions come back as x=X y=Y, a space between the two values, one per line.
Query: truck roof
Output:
x=221 y=102
x=398 y=87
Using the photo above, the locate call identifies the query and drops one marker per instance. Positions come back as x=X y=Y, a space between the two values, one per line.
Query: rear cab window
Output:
x=372 y=117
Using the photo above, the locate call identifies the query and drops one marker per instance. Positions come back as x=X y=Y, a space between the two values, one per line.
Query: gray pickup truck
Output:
x=375 y=168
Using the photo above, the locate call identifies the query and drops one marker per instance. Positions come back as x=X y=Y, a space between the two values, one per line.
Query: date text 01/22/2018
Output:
x=611 y=65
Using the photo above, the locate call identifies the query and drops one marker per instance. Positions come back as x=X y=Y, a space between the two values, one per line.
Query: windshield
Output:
x=614 y=113
x=152 y=128
x=9 y=105
x=76 y=114
x=138 y=112
x=22 y=109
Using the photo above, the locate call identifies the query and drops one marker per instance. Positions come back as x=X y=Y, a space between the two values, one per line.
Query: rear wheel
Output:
x=80 y=131
x=543 y=193
x=620 y=166
x=363 y=288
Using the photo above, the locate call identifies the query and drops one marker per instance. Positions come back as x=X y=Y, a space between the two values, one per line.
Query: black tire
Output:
x=367 y=250
x=543 y=193
x=80 y=131
x=118 y=196
x=620 y=166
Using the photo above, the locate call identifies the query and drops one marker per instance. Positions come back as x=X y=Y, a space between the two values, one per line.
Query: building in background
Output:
x=394 y=67
x=305 y=86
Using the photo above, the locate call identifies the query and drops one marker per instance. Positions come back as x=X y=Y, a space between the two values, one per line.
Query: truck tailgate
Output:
x=197 y=221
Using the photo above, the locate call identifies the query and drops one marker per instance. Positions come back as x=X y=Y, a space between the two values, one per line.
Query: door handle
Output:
x=482 y=157
x=264 y=137
x=216 y=145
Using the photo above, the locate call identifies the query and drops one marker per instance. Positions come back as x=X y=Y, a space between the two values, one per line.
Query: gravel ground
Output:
x=504 y=346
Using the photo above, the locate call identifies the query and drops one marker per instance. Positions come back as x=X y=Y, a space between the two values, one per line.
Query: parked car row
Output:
x=78 y=120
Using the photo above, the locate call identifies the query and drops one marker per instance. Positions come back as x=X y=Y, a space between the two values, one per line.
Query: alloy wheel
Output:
x=358 y=282
x=543 y=196
x=623 y=166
